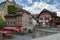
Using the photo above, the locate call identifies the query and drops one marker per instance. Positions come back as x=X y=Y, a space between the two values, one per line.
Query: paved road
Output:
x=20 y=37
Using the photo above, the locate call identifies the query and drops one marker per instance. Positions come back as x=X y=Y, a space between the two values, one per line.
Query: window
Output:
x=13 y=18
x=7 y=22
x=46 y=18
x=47 y=24
x=41 y=23
x=30 y=22
x=18 y=22
x=13 y=22
x=19 y=17
x=10 y=22
x=44 y=13
x=30 y=18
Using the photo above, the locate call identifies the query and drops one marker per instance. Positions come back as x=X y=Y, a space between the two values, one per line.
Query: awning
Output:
x=6 y=31
x=13 y=28
x=18 y=29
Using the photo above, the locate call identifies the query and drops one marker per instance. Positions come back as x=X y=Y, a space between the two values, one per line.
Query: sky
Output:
x=36 y=6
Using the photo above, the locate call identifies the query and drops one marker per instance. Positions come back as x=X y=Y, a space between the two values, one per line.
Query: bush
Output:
x=2 y=24
x=29 y=31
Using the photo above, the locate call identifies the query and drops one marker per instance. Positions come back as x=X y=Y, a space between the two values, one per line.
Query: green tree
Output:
x=2 y=24
x=12 y=8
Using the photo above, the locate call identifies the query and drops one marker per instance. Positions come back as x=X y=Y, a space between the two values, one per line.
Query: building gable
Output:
x=44 y=11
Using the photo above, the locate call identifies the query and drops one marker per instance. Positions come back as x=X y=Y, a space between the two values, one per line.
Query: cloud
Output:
x=45 y=0
x=29 y=1
x=37 y=7
x=20 y=0
x=58 y=14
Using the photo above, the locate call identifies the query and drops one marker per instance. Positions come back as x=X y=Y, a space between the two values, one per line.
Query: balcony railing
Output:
x=43 y=20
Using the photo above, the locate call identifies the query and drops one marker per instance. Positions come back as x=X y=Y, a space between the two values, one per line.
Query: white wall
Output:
x=25 y=21
x=34 y=22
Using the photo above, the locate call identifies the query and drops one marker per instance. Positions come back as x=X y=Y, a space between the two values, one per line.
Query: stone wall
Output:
x=40 y=33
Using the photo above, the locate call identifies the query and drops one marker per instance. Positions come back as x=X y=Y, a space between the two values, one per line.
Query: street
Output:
x=21 y=37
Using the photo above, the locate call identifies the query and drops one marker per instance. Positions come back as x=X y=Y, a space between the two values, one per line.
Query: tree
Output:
x=2 y=24
x=12 y=8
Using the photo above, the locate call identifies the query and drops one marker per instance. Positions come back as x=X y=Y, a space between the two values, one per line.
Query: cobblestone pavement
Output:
x=21 y=37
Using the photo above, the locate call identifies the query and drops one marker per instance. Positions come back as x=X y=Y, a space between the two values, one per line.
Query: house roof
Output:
x=23 y=10
x=13 y=14
x=53 y=14
x=45 y=10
